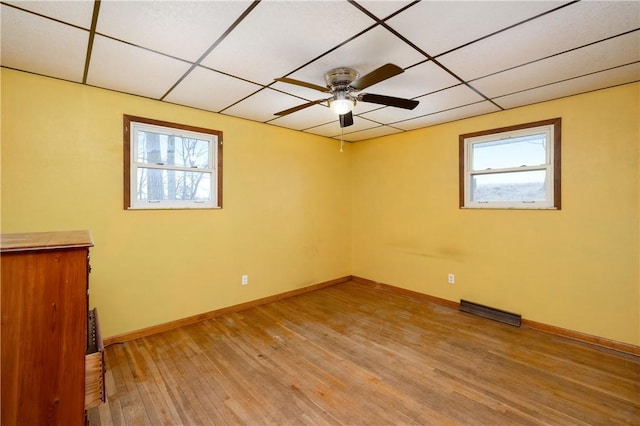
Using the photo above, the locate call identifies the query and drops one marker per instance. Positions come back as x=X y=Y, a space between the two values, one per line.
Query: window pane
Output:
x=157 y=148
x=160 y=184
x=513 y=152
x=516 y=186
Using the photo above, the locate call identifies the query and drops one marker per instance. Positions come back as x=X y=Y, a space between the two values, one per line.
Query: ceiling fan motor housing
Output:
x=340 y=78
x=338 y=81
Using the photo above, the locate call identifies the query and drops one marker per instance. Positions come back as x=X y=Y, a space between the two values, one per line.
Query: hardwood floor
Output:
x=351 y=354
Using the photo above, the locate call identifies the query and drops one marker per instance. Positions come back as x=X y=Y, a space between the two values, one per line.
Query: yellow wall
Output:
x=576 y=268
x=298 y=212
x=285 y=220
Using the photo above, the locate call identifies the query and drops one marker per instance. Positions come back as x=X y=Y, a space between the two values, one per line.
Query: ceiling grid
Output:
x=460 y=58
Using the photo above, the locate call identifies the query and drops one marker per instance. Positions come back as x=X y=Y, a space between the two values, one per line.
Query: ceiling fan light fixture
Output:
x=344 y=84
x=342 y=103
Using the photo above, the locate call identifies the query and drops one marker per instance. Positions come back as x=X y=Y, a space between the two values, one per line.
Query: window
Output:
x=171 y=166
x=515 y=167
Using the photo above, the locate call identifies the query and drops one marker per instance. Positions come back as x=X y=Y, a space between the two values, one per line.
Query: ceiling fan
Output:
x=343 y=84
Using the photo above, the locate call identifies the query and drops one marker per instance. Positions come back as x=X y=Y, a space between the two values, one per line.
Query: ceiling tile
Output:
x=306 y=118
x=383 y=9
x=210 y=90
x=445 y=99
x=591 y=82
x=416 y=81
x=573 y=26
x=607 y=54
x=375 y=132
x=42 y=46
x=438 y=26
x=263 y=105
x=333 y=128
x=278 y=37
x=302 y=92
x=184 y=29
x=365 y=53
x=76 y=12
x=138 y=71
x=467 y=111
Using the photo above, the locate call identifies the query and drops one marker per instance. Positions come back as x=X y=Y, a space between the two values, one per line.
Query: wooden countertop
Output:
x=44 y=240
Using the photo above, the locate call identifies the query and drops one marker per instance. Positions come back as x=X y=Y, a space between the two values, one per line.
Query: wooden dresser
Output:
x=47 y=331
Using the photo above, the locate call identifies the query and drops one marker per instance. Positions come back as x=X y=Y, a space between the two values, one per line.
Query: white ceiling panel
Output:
x=278 y=37
x=573 y=26
x=76 y=12
x=435 y=102
x=263 y=105
x=467 y=111
x=210 y=90
x=332 y=129
x=300 y=91
x=362 y=107
x=416 y=81
x=130 y=69
x=309 y=117
x=184 y=29
x=42 y=46
x=591 y=82
x=367 y=52
x=383 y=9
x=374 y=132
x=462 y=21
x=601 y=56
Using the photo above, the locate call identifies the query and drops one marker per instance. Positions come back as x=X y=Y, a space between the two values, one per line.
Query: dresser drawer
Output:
x=94 y=390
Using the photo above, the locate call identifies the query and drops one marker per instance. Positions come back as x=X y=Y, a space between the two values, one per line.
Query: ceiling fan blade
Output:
x=303 y=84
x=299 y=107
x=376 y=76
x=346 y=119
x=389 y=101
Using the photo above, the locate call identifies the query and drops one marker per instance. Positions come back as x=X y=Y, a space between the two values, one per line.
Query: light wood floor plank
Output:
x=350 y=354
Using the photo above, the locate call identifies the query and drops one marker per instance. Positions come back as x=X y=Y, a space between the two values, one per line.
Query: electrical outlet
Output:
x=245 y=279
x=452 y=279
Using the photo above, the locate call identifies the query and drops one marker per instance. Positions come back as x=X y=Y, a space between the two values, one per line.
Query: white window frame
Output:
x=132 y=126
x=550 y=128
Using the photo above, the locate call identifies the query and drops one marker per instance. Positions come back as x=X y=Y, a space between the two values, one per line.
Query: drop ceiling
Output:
x=460 y=58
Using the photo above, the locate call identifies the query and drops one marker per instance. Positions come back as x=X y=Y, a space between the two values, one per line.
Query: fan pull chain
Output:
x=341 y=139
